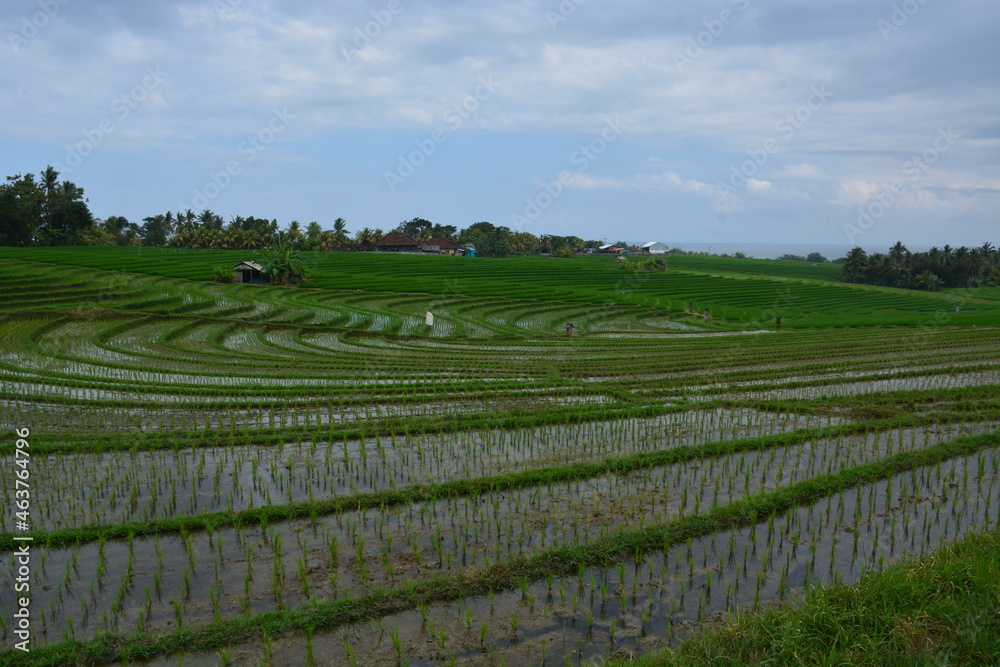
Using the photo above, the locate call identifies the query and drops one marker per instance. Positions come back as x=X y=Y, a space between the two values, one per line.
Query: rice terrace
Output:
x=423 y=460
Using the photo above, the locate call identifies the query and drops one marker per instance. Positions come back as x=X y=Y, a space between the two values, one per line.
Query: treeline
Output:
x=45 y=211
x=931 y=270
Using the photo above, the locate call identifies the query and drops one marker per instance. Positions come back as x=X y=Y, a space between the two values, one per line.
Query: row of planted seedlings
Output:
x=976 y=367
x=83 y=349
x=133 y=485
x=970 y=479
x=746 y=358
x=943 y=380
x=64 y=408
x=198 y=577
x=666 y=595
x=99 y=360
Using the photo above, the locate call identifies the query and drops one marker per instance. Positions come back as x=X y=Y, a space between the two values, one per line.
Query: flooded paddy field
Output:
x=285 y=477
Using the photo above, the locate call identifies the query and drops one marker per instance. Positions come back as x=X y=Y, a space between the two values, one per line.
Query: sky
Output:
x=856 y=122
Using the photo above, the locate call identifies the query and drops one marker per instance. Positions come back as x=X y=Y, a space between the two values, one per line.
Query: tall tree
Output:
x=412 y=228
x=340 y=233
x=855 y=264
x=313 y=236
x=21 y=209
x=155 y=230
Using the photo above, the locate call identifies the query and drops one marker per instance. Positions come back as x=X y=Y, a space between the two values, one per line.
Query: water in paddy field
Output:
x=664 y=597
x=775 y=250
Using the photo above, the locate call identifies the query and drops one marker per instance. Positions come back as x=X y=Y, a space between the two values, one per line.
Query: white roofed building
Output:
x=654 y=248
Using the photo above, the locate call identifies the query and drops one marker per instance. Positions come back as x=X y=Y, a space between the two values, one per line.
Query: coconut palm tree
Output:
x=855 y=264
x=900 y=257
x=314 y=233
x=989 y=254
x=947 y=255
x=294 y=230
x=978 y=264
x=934 y=255
x=927 y=281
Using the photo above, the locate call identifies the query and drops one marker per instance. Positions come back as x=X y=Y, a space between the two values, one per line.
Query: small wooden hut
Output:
x=250 y=272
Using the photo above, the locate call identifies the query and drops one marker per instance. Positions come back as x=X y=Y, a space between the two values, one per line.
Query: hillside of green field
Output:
x=737 y=292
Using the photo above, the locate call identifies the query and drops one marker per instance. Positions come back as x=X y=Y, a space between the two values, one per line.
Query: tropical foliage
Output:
x=284 y=262
x=931 y=270
x=45 y=211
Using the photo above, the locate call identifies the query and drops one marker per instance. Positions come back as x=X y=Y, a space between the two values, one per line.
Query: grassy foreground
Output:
x=940 y=609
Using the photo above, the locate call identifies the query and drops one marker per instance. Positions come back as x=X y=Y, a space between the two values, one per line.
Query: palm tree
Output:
x=50 y=177
x=294 y=230
x=989 y=254
x=948 y=254
x=210 y=220
x=934 y=255
x=254 y=239
x=927 y=281
x=314 y=234
x=855 y=264
x=879 y=269
x=327 y=240
x=900 y=257
x=961 y=255
x=978 y=264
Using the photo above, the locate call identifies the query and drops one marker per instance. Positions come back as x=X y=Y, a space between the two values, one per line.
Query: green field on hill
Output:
x=737 y=292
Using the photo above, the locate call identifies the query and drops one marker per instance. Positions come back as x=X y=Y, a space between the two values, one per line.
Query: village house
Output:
x=439 y=245
x=653 y=248
x=396 y=242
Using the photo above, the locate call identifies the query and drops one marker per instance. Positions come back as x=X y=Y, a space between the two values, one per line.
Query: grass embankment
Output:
x=625 y=543
x=939 y=609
